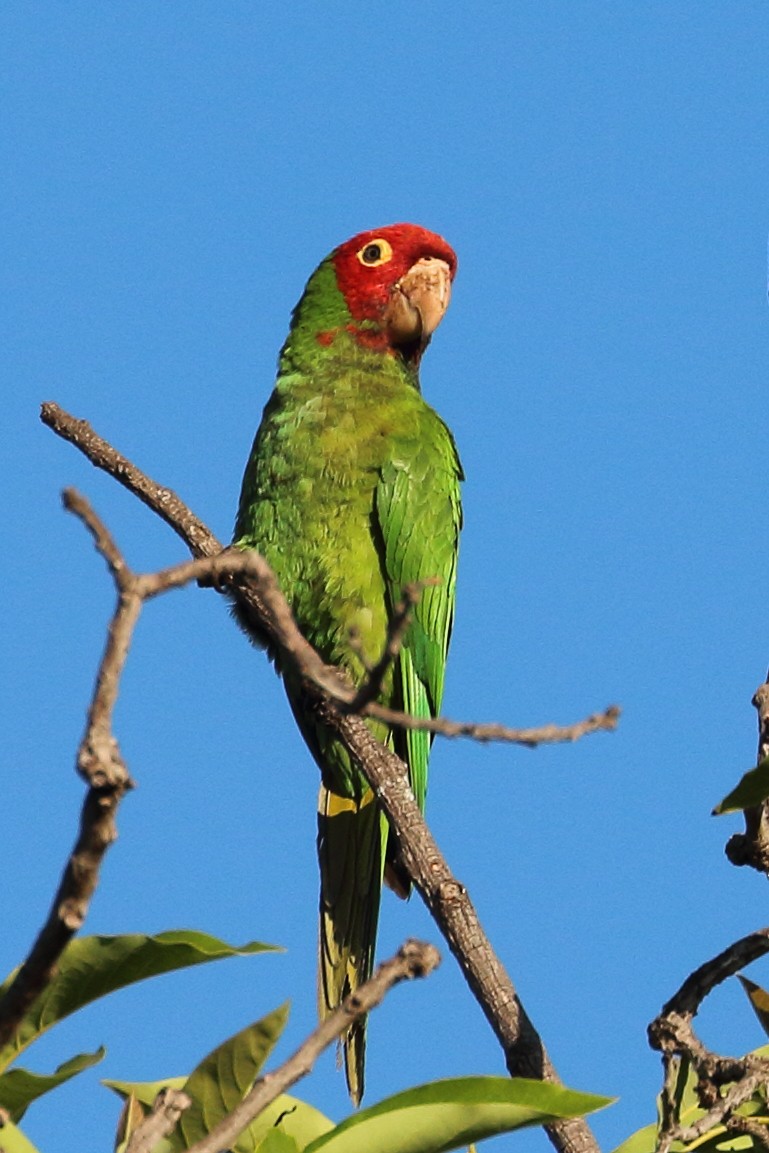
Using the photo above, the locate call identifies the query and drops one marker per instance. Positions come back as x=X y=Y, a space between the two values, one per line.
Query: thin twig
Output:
x=162 y=501
x=397 y=628
x=445 y=896
x=605 y=722
x=413 y=959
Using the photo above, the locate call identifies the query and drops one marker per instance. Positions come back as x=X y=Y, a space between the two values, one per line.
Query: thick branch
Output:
x=324 y=689
x=454 y=913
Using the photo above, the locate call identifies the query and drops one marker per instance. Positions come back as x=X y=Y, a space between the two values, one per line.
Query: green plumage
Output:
x=351 y=492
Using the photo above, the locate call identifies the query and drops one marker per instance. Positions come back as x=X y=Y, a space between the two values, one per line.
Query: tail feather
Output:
x=352 y=835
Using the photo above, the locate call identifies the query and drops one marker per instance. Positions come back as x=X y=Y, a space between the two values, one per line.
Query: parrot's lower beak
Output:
x=418 y=301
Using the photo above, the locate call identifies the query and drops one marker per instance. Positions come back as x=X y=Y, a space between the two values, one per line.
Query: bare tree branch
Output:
x=671 y=1033
x=605 y=722
x=687 y=1000
x=413 y=959
x=99 y=761
x=324 y=689
x=162 y=501
x=264 y=600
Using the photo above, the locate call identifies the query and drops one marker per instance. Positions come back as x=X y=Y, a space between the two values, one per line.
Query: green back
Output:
x=351 y=492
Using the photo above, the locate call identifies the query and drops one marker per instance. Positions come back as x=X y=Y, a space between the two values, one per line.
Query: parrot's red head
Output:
x=398 y=280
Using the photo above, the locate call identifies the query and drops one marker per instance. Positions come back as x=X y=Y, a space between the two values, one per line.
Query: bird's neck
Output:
x=325 y=337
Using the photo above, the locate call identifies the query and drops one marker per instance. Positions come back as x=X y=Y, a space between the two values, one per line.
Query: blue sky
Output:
x=171 y=176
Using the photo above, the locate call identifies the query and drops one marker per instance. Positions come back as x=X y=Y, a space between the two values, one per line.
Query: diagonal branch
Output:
x=265 y=602
x=446 y=897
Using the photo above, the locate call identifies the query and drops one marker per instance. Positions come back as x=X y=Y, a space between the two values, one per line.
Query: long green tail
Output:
x=352 y=836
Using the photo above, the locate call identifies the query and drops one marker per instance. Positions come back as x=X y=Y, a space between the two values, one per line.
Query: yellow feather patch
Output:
x=331 y=804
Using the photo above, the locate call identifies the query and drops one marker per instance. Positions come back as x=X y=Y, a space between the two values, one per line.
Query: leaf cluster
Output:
x=429 y=1118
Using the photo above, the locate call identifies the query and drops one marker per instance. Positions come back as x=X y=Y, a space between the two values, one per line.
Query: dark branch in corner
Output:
x=671 y=1033
x=332 y=696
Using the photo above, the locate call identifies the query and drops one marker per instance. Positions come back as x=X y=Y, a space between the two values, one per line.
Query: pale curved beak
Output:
x=418 y=301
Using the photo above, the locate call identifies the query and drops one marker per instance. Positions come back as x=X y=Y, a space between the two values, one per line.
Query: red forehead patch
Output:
x=366 y=287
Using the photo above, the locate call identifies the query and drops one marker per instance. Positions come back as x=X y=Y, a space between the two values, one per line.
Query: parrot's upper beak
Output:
x=418 y=301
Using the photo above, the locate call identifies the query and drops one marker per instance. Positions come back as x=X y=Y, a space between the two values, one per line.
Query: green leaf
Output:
x=19 y=1088
x=446 y=1114
x=642 y=1141
x=222 y=1079
x=145 y=1092
x=751 y=790
x=289 y=1115
x=91 y=967
x=12 y=1140
x=759 y=999
x=277 y=1142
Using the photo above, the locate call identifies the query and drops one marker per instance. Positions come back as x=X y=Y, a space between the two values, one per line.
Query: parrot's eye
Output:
x=374 y=253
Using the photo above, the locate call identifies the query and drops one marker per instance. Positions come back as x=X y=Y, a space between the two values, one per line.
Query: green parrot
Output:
x=351 y=492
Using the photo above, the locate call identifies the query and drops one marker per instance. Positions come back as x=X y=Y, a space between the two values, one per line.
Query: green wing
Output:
x=419 y=514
